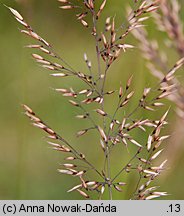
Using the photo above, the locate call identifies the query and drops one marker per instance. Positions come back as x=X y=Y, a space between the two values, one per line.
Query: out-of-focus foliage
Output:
x=27 y=165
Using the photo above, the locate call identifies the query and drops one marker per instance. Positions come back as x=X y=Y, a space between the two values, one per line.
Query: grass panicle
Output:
x=110 y=44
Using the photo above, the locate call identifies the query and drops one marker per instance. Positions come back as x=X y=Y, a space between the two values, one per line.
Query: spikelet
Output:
x=101 y=9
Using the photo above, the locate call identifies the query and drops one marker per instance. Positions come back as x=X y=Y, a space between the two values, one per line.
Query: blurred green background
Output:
x=27 y=166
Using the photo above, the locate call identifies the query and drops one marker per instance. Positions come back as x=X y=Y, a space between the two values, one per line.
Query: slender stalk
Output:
x=89 y=117
x=76 y=153
x=102 y=84
x=125 y=166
